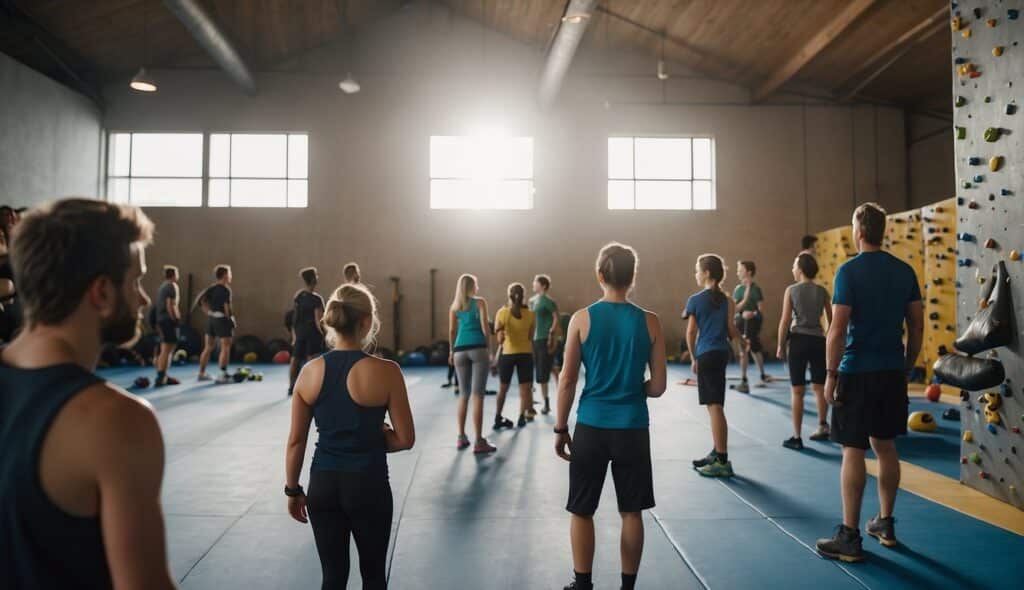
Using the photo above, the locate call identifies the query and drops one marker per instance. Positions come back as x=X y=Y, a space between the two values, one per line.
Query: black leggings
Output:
x=359 y=504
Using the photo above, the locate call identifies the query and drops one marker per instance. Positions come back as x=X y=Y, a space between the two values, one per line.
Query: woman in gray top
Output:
x=802 y=306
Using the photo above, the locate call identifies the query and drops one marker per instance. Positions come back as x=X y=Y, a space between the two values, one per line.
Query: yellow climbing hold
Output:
x=968 y=436
x=991 y=416
x=956 y=23
x=995 y=163
x=1014 y=255
x=991 y=22
x=966 y=33
x=997 y=50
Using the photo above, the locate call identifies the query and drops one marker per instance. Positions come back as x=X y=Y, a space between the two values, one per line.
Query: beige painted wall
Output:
x=931 y=161
x=783 y=170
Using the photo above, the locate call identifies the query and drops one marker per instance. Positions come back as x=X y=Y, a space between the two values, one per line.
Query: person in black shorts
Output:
x=874 y=295
x=513 y=325
x=748 y=318
x=220 y=325
x=307 y=331
x=168 y=318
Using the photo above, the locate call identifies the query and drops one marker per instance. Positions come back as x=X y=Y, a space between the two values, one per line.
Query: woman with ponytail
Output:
x=708 y=334
x=617 y=342
x=469 y=334
x=513 y=325
x=348 y=393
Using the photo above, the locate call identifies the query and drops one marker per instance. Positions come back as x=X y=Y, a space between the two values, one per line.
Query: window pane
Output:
x=515 y=157
x=258 y=156
x=702 y=157
x=259 y=193
x=620 y=159
x=167 y=192
x=167 y=154
x=298 y=193
x=513 y=194
x=702 y=195
x=620 y=194
x=662 y=158
x=451 y=194
x=298 y=156
x=119 y=160
x=119 y=190
x=450 y=157
x=220 y=155
x=662 y=195
x=220 y=192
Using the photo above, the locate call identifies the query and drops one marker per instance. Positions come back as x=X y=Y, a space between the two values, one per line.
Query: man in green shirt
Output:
x=748 y=318
x=544 y=336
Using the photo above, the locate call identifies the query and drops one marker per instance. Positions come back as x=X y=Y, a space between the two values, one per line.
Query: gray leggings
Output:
x=472 y=367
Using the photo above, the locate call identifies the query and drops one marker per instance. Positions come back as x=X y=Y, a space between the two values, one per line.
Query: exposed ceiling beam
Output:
x=573 y=25
x=935 y=27
x=914 y=35
x=812 y=48
x=213 y=38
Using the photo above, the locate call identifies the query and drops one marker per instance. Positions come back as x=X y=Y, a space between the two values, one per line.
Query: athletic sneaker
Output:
x=502 y=422
x=456 y=390
x=717 y=468
x=546 y=409
x=482 y=447
x=445 y=385
x=883 y=529
x=821 y=433
x=224 y=378
x=204 y=377
x=698 y=463
x=530 y=414
x=766 y=378
x=845 y=545
x=462 y=442
x=793 y=442
x=522 y=421
x=171 y=381
x=743 y=387
x=575 y=586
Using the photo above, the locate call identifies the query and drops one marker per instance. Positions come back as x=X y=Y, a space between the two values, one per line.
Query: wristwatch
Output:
x=563 y=430
x=293 y=492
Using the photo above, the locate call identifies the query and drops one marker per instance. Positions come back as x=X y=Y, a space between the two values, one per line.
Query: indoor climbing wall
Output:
x=904 y=241
x=988 y=91
x=939 y=232
x=835 y=246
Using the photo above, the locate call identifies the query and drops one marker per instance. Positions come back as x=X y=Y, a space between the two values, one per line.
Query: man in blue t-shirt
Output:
x=874 y=294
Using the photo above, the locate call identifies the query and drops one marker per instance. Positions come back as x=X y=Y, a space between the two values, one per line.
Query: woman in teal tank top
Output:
x=618 y=343
x=469 y=333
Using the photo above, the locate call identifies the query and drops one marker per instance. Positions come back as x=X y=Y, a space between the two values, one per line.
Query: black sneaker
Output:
x=575 y=586
x=845 y=545
x=502 y=422
x=521 y=422
x=793 y=442
x=698 y=463
x=883 y=529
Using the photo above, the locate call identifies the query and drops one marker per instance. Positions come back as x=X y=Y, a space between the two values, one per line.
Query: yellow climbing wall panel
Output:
x=835 y=246
x=903 y=240
x=939 y=226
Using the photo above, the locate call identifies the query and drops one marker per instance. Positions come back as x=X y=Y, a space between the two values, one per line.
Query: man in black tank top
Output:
x=82 y=459
x=307 y=333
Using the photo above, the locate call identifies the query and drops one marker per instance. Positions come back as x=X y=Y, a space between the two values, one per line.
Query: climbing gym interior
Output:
x=426 y=140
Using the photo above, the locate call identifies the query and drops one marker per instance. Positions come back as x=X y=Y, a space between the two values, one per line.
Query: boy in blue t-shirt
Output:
x=708 y=336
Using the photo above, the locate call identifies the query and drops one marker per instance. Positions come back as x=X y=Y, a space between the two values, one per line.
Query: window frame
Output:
x=107 y=176
x=208 y=176
x=692 y=180
x=498 y=181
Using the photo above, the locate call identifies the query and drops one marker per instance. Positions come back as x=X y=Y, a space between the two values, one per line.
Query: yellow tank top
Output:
x=518 y=338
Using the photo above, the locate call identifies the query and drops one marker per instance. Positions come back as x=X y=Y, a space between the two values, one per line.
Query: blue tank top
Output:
x=615 y=354
x=349 y=435
x=41 y=546
x=469 y=334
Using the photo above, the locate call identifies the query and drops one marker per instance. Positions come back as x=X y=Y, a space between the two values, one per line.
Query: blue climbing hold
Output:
x=1012 y=13
x=978 y=178
x=951 y=414
x=960 y=60
x=965 y=237
x=974 y=161
x=1005 y=192
x=964 y=262
x=992 y=429
x=959 y=200
x=1010 y=108
x=1006 y=390
x=958 y=285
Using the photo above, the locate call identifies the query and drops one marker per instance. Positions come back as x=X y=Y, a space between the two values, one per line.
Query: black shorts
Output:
x=168 y=330
x=542 y=360
x=308 y=346
x=750 y=330
x=220 y=327
x=521 y=364
x=870 y=405
x=711 y=377
x=559 y=359
x=804 y=351
x=629 y=452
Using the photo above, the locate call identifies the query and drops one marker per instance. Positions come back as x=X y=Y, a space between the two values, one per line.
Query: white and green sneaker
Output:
x=717 y=468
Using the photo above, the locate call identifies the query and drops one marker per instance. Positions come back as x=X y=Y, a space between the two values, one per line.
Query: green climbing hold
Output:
x=960 y=132
x=975 y=458
x=988 y=99
x=960 y=101
x=967 y=184
x=992 y=134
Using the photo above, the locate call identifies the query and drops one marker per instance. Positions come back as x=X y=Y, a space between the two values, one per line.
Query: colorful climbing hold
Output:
x=974 y=161
x=1014 y=255
x=966 y=262
x=973 y=205
x=1010 y=109
x=977 y=12
x=983 y=475
x=979 y=178
x=995 y=163
x=960 y=60
x=963 y=460
x=1005 y=192
x=992 y=429
x=966 y=184
x=968 y=436
x=992 y=134
x=991 y=23
x=1012 y=13
x=988 y=99
x=997 y=50
x=974 y=74
x=990 y=243
x=965 y=237
x=960 y=132
x=956 y=23
x=975 y=458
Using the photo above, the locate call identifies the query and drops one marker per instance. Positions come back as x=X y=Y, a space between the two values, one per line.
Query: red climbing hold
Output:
x=933 y=392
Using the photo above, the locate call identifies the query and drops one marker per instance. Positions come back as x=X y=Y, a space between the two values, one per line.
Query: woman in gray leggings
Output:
x=470 y=335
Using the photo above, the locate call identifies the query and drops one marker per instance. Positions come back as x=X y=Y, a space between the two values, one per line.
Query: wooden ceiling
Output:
x=748 y=42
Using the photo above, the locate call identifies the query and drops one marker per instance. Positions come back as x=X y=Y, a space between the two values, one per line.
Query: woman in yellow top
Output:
x=513 y=325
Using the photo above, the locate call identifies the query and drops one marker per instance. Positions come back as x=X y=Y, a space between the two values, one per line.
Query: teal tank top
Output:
x=469 y=334
x=615 y=355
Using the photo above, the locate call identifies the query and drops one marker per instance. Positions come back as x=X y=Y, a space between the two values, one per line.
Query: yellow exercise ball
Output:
x=922 y=422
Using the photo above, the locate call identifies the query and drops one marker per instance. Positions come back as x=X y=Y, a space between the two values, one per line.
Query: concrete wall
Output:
x=50 y=138
x=930 y=161
x=783 y=170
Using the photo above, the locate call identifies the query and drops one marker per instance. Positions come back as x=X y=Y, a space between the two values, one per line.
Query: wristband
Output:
x=293 y=492
x=833 y=373
x=563 y=430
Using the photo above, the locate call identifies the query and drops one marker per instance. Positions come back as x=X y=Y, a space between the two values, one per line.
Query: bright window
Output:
x=661 y=173
x=259 y=170
x=156 y=169
x=481 y=172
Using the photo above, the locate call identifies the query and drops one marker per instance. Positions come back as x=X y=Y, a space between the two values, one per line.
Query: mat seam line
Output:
x=217 y=540
x=401 y=513
x=679 y=550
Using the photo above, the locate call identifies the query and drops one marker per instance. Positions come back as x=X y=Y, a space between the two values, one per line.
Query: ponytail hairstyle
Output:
x=348 y=307
x=616 y=263
x=715 y=267
x=467 y=283
x=516 y=294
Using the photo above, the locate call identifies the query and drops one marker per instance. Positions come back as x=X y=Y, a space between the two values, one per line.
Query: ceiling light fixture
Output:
x=662 y=72
x=349 y=85
x=142 y=81
x=575 y=19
